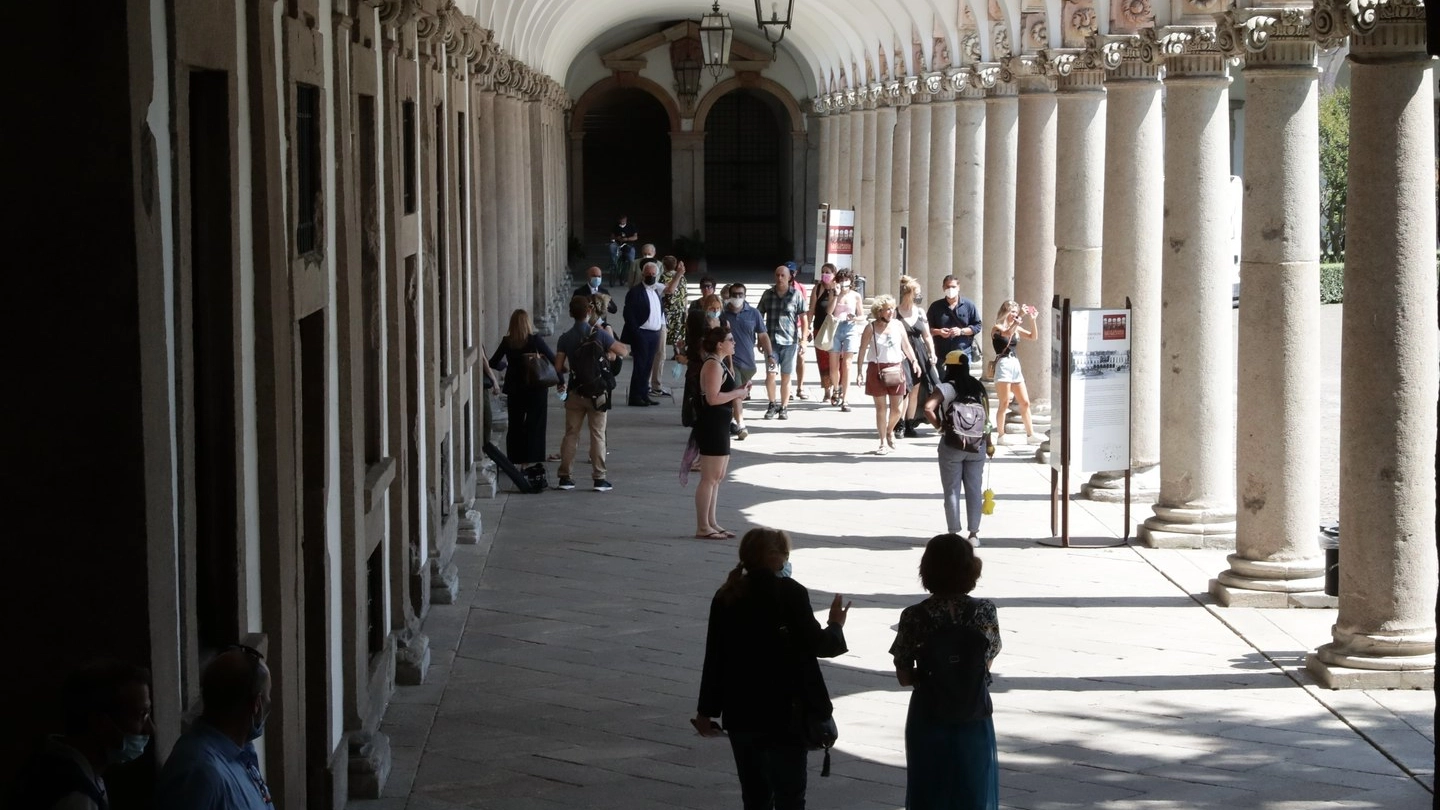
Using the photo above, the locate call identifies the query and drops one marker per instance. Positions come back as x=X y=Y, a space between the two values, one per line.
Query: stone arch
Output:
x=702 y=111
x=598 y=90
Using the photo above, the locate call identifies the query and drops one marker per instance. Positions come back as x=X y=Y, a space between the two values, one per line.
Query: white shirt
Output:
x=656 y=321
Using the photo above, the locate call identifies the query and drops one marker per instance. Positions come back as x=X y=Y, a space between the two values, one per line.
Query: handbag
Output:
x=825 y=337
x=892 y=375
x=539 y=371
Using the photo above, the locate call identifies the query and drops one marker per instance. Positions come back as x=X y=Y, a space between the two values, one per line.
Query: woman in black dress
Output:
x=760 y=661
x=711 y=433
x=525 y=439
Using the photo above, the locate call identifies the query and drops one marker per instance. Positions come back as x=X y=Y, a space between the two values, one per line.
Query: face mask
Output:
x=594 y=283
x=826 y=278
x=919 y=299
x=784 y=571
x=737 y=302
x=844 y=285
x=952 y=293
x=130 y=749
x=712 y=314
x=649 y=281
x=257 y=730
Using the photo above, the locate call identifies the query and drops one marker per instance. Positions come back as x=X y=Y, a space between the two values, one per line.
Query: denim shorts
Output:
x=784 y=355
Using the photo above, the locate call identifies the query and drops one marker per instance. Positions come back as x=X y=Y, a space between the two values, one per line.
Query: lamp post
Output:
x=774 y=27
x=716 y=35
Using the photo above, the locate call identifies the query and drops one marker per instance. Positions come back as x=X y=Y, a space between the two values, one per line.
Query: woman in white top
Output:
x=885 y=379
x=848 y=323
x=917 y=330
x=1009 y=330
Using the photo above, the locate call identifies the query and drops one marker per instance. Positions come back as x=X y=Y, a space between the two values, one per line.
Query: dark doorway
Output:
x=315 y=637
x=626 y=170
x=746 y=177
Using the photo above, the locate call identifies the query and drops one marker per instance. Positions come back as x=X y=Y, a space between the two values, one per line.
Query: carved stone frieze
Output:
x=970 y=47
x=1190 y=50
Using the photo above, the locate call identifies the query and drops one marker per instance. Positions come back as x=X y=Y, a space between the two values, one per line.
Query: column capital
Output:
x=1125 y=61
x=1081 y=70
x=964 y=84
x=1033 y=72
x=994 y=78
x=1268 y=36
x=1377 y=28
x=1186 y=50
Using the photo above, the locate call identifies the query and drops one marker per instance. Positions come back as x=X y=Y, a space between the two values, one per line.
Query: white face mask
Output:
x=952 y=293
x=844 y=285
x=737 y=302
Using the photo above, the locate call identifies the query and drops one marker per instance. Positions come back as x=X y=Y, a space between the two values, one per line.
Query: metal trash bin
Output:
x=1330 y=542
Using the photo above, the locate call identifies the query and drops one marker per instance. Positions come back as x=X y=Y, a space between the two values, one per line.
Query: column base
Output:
x=1272 y=583
x=470 y=528
x=1178 y=527
x=369 y=767
x=412 y=657
x=1413 y=672
x=487 y=481
x=1109 y=487
x=1228 y=596
x=444 y=583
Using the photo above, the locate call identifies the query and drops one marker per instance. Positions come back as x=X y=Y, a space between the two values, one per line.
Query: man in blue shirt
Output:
x=783 y=307
x=580 y=409
x=748 y=326
x=954 y=321
x=213 y=765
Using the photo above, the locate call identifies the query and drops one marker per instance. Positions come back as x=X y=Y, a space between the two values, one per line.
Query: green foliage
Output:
x=1334 y=161
x=1332 y=283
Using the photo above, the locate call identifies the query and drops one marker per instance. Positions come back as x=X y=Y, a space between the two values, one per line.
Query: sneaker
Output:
x=734 y=428
x=783 y=413
x=974 y=539
x=770 y=410
x=741 y=434
x=603 y=486
x=565 y=483
x=909 y=432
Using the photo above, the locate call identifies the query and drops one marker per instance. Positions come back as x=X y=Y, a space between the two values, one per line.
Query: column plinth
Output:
x=1384 y=635
x=1196 y=504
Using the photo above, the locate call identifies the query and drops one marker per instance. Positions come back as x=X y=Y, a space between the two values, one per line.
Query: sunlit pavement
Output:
x=567 y=671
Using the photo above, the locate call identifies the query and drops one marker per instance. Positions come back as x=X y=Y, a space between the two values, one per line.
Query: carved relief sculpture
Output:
x=1000 y=41
x=1079 y=20
x=884 y=64
x=1034 y=32
x=1129 y=16
x=997 y=14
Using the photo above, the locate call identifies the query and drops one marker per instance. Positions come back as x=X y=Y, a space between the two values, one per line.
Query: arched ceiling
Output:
x=827 y=34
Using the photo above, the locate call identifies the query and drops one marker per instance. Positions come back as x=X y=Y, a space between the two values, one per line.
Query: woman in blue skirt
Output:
x=943 y=647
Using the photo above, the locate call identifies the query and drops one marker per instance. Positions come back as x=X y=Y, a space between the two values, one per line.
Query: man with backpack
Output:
x=586 y=384
x=960 y=410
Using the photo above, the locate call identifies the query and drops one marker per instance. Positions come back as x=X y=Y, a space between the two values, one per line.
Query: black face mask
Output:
x=649 y=280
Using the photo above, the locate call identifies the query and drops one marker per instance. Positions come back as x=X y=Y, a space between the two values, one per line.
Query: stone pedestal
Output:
x=1384 y=636
x=468 y=533
x=1035 y=203
x=1277 y=468
x=412 y=656
x=444 y=582
x=1131 y=256
x=369 y=764
x=1196 y=506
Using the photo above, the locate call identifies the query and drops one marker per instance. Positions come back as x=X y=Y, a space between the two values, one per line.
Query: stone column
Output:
x=885 y=229
x=843 y=160
x=825 y=126
x=505 y=192
x=687 y=169
x=1131 y=258
x=495 y=318
x=1277 y=464
x=867 y=217
x=900 y=184
x=857 y=150
x=1196 y=506
x=940 y=250
x=1384 y=636
x=1035 y=203
x=920 y=155
x=1079 y=177
x=1002 y=132
x=967 y=247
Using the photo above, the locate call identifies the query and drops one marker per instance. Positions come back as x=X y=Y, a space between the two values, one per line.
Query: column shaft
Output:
x=1131 y=259
x=1385 y=633
x=1034 y=235
x=885 y=230
x=968 y=255
x=941 y=249
x=857 y=157
x=867 y=214
x=899 y=200
x=1196 y=506
x=1277 y=475
x=827 y=158
x=919 y=264
x=1080 y=184
x=843 y=161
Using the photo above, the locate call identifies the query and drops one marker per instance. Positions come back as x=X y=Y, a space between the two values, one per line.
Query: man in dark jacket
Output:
x=594 y=284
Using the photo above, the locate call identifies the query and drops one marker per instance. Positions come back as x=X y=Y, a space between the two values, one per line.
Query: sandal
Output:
x=844 y=408
x=800 y=393
x=710 y=536
x=725 y=532
x=882 y=450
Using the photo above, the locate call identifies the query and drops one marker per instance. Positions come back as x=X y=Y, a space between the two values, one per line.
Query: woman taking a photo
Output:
x=711 y=433
x=944 y=647
x=848 y=325
x=525 y=439
x=822 y=328
x=760 y=662
x=885 y=379
x=1005 y=335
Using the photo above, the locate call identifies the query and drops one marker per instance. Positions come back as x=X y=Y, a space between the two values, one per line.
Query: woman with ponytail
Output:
x=761 y=664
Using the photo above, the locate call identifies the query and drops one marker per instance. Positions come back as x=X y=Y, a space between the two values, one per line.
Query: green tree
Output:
x=1334 y=160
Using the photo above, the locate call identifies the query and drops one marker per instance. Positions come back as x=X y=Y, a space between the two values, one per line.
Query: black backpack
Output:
x=950 y=673
x=590 y=371
x=965 y=425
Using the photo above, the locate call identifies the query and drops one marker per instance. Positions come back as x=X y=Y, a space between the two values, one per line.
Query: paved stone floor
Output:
x=566 y=673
